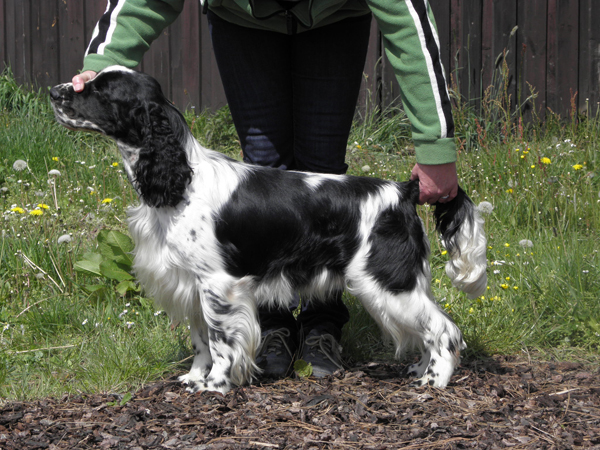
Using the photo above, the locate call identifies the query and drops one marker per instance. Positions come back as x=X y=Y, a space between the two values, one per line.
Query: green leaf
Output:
x=116 y=246
x=126 y=285
x=303 y=369
x=114 y=271
x=90 y=264
x=125 y=399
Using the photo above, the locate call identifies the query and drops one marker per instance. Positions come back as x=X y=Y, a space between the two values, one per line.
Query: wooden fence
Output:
x=552 y=46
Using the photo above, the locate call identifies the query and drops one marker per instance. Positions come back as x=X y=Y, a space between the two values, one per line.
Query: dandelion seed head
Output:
x=485 y=207
x=54 y=173
x=526 y=243
x=64 y=239
x=19 y=165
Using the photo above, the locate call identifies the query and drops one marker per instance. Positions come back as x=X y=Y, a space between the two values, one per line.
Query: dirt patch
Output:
x=502 y=402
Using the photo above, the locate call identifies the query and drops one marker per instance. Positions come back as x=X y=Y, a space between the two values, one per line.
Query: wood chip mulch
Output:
x=500 y=402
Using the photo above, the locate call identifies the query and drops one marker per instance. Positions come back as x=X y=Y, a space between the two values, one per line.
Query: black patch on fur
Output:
x=274 y=224
x=398 y=245
x=449 y=217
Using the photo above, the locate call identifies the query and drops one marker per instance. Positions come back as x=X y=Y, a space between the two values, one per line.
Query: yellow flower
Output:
x=504 y=286
x=107 y=200
x=546 y=160
x=509 y=191
x=507 y=245
x=525 y=152
x=522 y=156
x=444 y=252
x=36 y=212
x=515 y=287
x=577 y=167
x=471 y=311
x=55 y=158
x=43 y=206
x=533 y=166
x=18 y=210
x=115 y=164
x=507 y=278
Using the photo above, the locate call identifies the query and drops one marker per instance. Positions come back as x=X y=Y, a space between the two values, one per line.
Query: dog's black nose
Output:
x=55 y=94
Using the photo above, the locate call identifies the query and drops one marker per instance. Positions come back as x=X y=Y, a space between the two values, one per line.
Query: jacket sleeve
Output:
x=126 y=30
x=412 y=47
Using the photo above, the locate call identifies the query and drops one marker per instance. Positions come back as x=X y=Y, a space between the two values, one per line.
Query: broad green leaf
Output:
x=303 y=369
x=114 y=271
x=94 y=287
x=116 y=246
x=127 y=285
x=90 y=264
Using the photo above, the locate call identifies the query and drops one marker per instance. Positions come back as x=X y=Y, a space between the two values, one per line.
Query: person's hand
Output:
x=80 y=80
x=437 y=183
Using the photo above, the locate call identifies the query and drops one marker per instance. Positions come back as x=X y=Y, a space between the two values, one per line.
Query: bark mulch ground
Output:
x=501 y=402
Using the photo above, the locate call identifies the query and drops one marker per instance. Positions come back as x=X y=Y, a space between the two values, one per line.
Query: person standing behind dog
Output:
x=292 y=70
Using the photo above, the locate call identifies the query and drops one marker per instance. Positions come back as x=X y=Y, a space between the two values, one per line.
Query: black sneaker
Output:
x=276 y=353
x=323 y=352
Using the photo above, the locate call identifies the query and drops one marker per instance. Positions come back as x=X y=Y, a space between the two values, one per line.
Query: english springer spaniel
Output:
x=215 y=238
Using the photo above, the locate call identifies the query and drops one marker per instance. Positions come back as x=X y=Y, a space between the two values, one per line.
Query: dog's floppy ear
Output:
x=162 y=172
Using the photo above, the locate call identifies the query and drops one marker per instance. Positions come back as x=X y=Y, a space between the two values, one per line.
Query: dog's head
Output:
x=130 y=107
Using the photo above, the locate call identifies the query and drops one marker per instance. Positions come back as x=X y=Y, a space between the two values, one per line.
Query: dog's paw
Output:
x=194 y=385
x=418 y=369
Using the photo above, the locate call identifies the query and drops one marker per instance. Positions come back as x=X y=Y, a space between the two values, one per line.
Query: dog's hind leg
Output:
x=202 y=359
x=413 y=318
x=233 y=337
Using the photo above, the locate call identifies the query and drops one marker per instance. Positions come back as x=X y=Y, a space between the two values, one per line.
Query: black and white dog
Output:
x=215 y=237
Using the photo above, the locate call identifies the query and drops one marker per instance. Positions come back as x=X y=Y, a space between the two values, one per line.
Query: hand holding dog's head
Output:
x=130 y=107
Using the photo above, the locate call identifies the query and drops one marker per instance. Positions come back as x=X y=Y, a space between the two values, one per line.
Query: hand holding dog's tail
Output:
x=461 y=229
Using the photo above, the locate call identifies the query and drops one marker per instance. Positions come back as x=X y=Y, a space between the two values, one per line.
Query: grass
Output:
x=60 y=333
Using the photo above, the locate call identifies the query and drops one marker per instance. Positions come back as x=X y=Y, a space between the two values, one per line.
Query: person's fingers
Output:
x=437 y=183
x=82 y=78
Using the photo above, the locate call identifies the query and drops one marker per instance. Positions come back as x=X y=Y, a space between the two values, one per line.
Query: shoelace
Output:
x=282 y=334
x=328 y=346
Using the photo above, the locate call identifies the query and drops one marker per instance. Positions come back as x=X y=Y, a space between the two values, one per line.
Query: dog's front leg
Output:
x=233 y=334
x=202 y=359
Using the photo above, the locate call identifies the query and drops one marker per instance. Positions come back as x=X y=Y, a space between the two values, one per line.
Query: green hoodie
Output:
x=128 y=27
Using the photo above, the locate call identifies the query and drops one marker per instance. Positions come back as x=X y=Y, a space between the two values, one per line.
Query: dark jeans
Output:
x=292 y=99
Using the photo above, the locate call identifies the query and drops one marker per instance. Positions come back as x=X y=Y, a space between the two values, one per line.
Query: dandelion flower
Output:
x=509 y=191
x=64 y=239
x=115 y=164
x=54 y=173
x=516 y=288
x=504 y=286
x=546 y=160
x=106 y=201
x=533 y=166
x=19 y=165
x=55 y=158
x=485 y=207
x=507 y=245
x=526 y=243
x=444 y=252
x=18 y=210
x=36 y=212
x=577 y=167
x=43 y=206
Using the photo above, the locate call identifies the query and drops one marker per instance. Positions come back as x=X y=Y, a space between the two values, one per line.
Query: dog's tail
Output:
x=462 y=235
